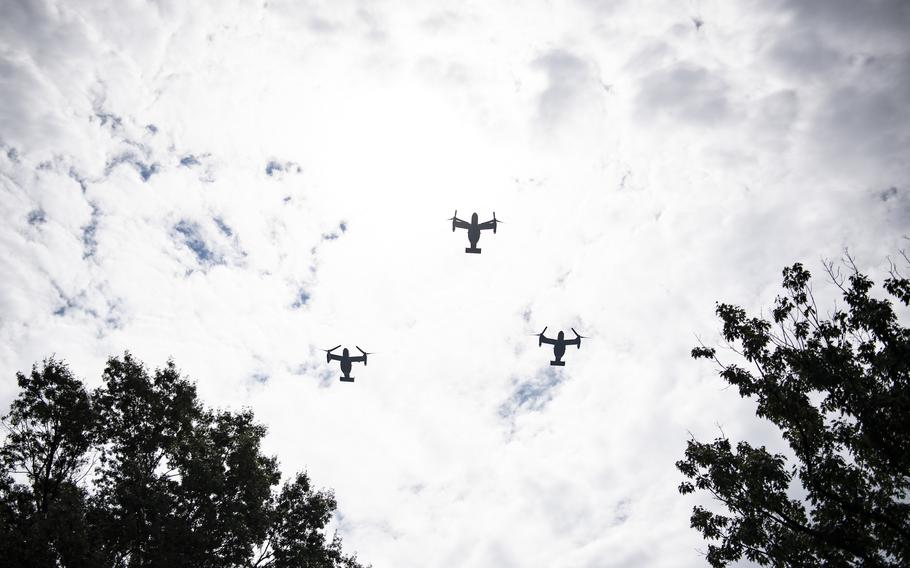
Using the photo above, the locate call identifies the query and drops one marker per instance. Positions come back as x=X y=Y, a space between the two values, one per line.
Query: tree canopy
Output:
x=138 y=473
x=838 y=388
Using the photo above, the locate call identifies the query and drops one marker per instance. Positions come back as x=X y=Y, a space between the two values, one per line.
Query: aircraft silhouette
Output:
x=346 y=361
x=559 y=345
x=474 y=229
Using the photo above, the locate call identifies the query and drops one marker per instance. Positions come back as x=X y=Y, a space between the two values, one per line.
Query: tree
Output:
x=50 y=428
x=144 y=421
x=838 y=388
x=138 y=473
x=291 y=539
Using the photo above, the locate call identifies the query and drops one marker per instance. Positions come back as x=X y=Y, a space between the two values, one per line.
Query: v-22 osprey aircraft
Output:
x=346 y=361
x=559 y=345
x=474 y=228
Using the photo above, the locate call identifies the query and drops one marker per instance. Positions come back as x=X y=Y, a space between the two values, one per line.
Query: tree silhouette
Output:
x=50 y=428
x=839 y=390
x=138 y=473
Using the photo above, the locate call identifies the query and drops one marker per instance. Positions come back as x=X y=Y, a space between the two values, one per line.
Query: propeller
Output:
x=454 y=217
x=540 y=336
x=578 y=336
x=495 y=222
x=364 y=354
x=328 y=352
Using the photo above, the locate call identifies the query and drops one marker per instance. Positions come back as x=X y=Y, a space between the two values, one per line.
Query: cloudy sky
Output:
x=238 y=184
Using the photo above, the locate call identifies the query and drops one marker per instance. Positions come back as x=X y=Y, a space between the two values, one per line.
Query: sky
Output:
x=237 y=185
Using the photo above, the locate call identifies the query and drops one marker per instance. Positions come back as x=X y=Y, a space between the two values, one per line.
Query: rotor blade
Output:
x=578 y=334
x=332 y=349
x=365 y=352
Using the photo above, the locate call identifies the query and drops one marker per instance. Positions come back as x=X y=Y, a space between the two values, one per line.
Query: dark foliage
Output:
x=839 y=390
x=50 y=429
x=139 y=474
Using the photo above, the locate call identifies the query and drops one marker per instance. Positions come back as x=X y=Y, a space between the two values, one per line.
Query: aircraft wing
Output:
x=488 y=225
x=547 y=340
x=358 y=359
x=459 y=224
x=332 y=357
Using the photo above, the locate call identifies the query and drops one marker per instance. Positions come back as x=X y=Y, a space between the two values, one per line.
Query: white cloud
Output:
x=193 y=167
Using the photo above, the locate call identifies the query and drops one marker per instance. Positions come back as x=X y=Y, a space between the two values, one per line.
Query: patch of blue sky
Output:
x=342 y=227
x=108 y=319
x=78 y=178
x=192 y=238
x=145 y=170
x=36 y=217
x=887 y=194
x=107 y=117
x=223 y=227
x=274 y=166
x=303 y=297
x=68 y=303
x=189 y=160
x=89 y=237
x=533 y=394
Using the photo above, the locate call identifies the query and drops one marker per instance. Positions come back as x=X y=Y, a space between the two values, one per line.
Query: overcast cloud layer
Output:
x=238 y=184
